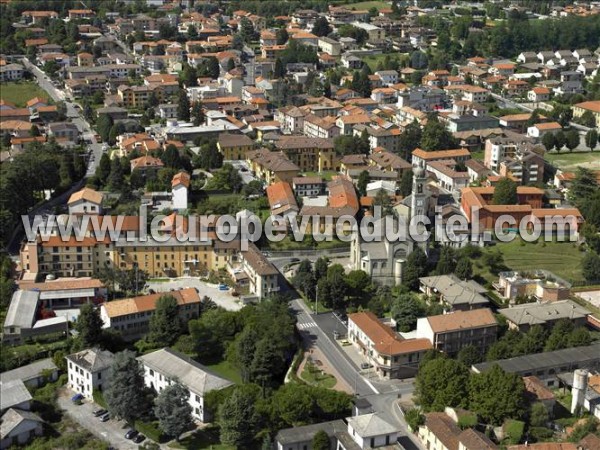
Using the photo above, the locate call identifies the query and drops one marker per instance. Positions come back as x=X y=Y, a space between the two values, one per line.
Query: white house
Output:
x=179 y=188
x=540 y=129
x=88 y=370
x=85 y=201
x=371 y=431
x=18 y=427
x=388 y=76
x=166 y=366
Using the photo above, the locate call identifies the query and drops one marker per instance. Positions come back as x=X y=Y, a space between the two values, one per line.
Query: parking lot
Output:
x=221 y=298
x=112 y=431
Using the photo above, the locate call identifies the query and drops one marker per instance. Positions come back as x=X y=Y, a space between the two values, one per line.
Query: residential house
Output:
x=11 y=72
x=281 y=199
x=454 y=293
x=450 y=333
x=441 y=432
x=131 y=317
x=329 y=46
x=167 y=110
x=146 y=163
x=524 y=167
x=234 y=146
x=89 y=371
x=309 y=154
x=263 y=276
x=85 y=201
x=180 y=185
x=523 y=317
x=272 y=166
x=590 y=107
x=540 y=129
x=538 y=94
x=166 y=366
x=391 y=355
x=308 y=186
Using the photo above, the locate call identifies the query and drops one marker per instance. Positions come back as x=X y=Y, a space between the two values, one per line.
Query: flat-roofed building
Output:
x=166 y=366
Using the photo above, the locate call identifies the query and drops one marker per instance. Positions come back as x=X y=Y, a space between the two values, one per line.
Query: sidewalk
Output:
x=326 y=366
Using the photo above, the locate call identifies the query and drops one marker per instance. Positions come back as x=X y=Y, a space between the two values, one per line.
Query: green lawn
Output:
x=327 y=174
x=20 y=93
x=207 y=438
x=561 y=258
x=373 y=60
x=567 y=160
x=226 y=370
x=316 y=377
x=368 y=5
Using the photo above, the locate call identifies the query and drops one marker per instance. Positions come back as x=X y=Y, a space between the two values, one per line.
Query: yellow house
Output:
x=234 y=146
x=85 y=59
x=309 y=154
x=581 y=108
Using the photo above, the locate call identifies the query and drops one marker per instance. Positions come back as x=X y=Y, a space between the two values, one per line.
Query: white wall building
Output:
x=371 y=431
x=179 y=188
x=88 y=370
x=85 y=201
x=166 y=366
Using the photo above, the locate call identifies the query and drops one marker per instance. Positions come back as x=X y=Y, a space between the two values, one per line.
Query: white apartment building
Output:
x=164 y=367
x=330 y=46
x=263 y=277
x=88 y=370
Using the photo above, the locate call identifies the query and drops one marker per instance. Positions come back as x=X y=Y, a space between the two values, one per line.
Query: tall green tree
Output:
x=183 y=106
x=125 y=394
x=89 y=325
x=406 y=183
x=505 y=192
x=436 y=136
x=416 y=267
x=548 y=141
x=173 y=411
x=560 y=139
x=442 y=382
x=496 y=395
x=591 y=139
x=590 y=267
x=445 y=264
x=238 y=419
x=406 y=309
x=363 y=180
x=165 y=325
x=572 y=139
x=464 y=268
x=321 y=27
x=320 y=441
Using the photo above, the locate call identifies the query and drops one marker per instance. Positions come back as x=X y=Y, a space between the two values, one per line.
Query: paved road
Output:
x=95 y=149
x=112 y=431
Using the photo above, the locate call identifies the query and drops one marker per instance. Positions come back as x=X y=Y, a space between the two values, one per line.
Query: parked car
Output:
x=139 y=438
x=105 y=418
x=365 y=365
x=99 y=412
x=131 y=434
x=77 y=398
x=223 y=287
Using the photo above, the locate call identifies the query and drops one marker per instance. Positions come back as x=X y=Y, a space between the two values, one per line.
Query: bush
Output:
x=99 y=398
x=414 y=418
x=540 y=434
x=514 y=430
x=151 y=431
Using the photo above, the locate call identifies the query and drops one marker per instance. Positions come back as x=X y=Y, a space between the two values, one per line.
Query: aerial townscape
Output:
x=300 y=224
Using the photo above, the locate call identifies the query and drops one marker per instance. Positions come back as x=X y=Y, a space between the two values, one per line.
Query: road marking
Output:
x=304 y=326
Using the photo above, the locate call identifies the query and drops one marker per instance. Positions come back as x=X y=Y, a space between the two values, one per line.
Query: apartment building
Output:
x=308 y=186
x=131 y=316
x=309 y=154
x=447 y=176
x=390 y=354
x=592 y=107
x=166 y=366
x=454 y=293
x=138 y=96
x=330 y=46
x=442 y=432
x=234 y=146
x=449 y=333
x=525 y=168
x=389 y=162
x=499 y=148
x=89 y=370
x=320 y=127
x=263 y=276
x=272 y=167
x=523 y=317
x=423 y=158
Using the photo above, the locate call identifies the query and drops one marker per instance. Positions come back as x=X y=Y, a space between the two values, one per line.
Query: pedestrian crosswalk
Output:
x=305 y=325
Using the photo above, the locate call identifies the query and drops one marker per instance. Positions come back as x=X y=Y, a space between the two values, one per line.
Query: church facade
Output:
x=385 y=260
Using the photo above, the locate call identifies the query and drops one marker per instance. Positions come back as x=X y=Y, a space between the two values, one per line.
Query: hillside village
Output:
x=167 y=118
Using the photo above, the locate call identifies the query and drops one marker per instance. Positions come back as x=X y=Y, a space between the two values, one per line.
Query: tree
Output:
x=587 y=119
x=34 y=131
x=246 y=30
x=559 y=140
x=238 y=419
x=416 y=267
x=198 y=113
x=321 y=265
x=164 y=326
x=469 y=355
x=359 y=286
x=533 y=341
x=103 y=126
x=281 y=36
x=464 y=268
x=116 y=179
x=279 y=70
x=572 y=139
x=363 y=180
x=173 y=411
x=413 y=416
x=591 y=139
x=559 y=337
x=183 y=106
x=548 y=141
x=321 y=27
x=505 y=192
x=89 y=325
x=103 y=169
x=171 y=157
x=125 y=394
x=590 y=267
x=583 y=187
x=321 y=441
x=406 y=309
x=442 y=382
x=579 y=337
x=539 y=415
x=406 y=183
x=445 y=264
x=496 y=395
x=436 y=136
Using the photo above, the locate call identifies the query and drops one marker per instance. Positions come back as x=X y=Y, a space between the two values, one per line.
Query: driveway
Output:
x=222 y=298
x=111 y=431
